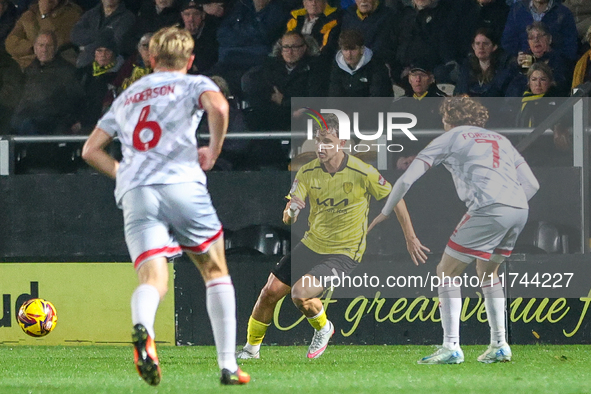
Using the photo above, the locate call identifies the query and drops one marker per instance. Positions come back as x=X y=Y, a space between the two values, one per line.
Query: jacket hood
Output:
x=365 y=58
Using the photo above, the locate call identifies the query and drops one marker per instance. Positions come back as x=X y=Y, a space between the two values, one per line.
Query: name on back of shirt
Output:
x=482 y=135
x=150 y=93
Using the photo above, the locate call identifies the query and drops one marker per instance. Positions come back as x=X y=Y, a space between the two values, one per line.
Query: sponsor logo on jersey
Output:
x=329 y=202
x=381 y=180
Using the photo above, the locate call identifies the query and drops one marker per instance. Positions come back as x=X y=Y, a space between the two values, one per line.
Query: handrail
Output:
x=257 y=135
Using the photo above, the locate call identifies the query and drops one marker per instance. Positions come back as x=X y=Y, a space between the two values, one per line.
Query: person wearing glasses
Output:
x=540 y=50
x=293 y=70
x=556 y=16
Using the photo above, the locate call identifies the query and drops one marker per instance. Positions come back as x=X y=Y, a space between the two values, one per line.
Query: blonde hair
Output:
x=172 y=47
x=460 y=111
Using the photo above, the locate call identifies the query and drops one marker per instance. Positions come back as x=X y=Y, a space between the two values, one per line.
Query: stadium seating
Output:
x=259 y=239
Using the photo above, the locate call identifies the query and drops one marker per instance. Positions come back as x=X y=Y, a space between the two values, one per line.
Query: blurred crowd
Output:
x=63 y=62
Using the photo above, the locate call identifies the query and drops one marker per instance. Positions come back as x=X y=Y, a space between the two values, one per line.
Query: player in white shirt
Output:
x=161 y=187
x=496 y=183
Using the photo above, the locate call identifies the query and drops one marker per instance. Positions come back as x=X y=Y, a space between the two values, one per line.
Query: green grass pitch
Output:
x=283 y=370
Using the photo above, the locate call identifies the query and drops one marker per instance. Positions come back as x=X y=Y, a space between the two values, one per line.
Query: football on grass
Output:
x=37 y=317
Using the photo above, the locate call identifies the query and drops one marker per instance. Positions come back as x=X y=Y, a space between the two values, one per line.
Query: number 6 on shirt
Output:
x=151 y=125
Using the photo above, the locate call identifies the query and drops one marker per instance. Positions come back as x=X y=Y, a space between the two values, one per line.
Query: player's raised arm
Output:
x=218 y=109
x=95 y=155
x=414 y=246
x=410 y=176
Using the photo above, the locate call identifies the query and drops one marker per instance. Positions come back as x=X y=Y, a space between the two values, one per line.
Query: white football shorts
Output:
x=488 y=233
x=163 y=220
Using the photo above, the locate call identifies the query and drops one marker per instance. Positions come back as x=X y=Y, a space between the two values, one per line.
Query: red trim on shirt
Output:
x=418 y=158
x=165 y=251
x=205 y=245
x=472 y=252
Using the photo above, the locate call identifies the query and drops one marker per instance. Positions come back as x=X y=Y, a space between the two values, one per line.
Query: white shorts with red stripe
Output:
x=488 y=233
x=163 y=220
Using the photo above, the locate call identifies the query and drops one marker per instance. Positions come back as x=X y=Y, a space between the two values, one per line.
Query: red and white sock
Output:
x=221 y=307
x=450 y=307
x=494 y=301
x=144 y=304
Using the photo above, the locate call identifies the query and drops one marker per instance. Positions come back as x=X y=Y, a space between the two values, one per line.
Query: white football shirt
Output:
x=483 y=165
x=156 y=119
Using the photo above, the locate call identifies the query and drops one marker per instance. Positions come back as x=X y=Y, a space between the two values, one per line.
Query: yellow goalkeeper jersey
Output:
x=339 y=205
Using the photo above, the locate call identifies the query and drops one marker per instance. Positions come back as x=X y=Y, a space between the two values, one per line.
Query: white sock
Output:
x=450 y=307
x=221 y=307
x=144 y=304
x=494 y=301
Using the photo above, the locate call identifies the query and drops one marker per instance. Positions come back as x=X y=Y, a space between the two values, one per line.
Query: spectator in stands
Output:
x=152 y=16
x=355 y=71
x=486 y=72
x=292 y=71
x=422 y=81
x=429 y=31
x=378 y=25
x=319 y=20
x=135 y=66
x=108 y=16
x=537 y=104
x=8 y=16
x=583 y=68
x=98 y=77
x=540 y=51
x=11 y=79
x=52 y=95
x=558 y=18
x=478 y=14
x=58 y=16
x=423 y=97
x=581 y=10
x=246 y=35
x=203 y=30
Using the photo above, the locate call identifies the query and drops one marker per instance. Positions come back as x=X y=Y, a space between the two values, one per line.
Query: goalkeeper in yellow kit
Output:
x=339 y=188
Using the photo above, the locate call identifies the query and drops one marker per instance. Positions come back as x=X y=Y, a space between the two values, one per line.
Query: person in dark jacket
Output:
x=203 y=30
x=355 y=72
x=11 y=80
x=293 y=70
x=486 y=71
x=97 y=79
x=478 y=14
x=152 y=16
x=540 y=51
x=51 y=97
x=378 y=24
x=429 y=30
x=109 y=15
x=559 y=19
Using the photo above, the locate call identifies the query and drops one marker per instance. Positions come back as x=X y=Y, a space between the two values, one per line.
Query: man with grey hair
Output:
x=51 y=92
